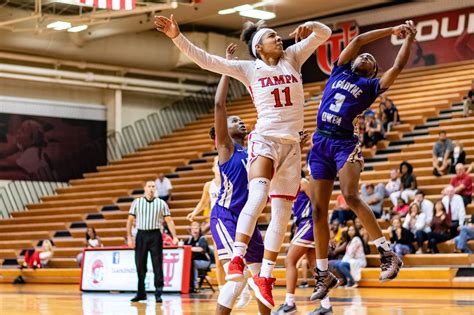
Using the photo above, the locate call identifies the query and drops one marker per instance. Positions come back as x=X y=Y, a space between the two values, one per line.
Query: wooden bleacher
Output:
x=102 y=199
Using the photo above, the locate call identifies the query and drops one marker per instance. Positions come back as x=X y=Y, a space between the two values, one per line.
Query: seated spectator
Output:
x=38 y=258
x=401 y=209
x=468 y=101
x=92 y=241
x=335 y=230
x=408 y=184
x=454 y=205
x=400 y=238
x=466 y=234
x=415 y=222
x=163 y=187
x=462 y=184
x=373 y=196
x=394 y=183
x=440 y=229
x=350 y=267
x=458 y=156
x=426 y=206
x=342 y=212
x=442 y=150
x=363 y=234
x=200 y=250
x=374 y=131
x=390 y=111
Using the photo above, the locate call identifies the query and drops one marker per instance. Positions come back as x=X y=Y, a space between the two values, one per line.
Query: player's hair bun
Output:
x=249 y=30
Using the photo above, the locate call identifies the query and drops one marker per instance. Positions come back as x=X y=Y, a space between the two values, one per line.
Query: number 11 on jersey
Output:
x=276 y=94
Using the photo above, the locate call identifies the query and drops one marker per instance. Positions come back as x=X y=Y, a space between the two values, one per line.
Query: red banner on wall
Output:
x=442 y=38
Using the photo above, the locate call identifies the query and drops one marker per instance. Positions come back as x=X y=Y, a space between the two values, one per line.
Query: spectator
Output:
x=401 y=209
x=393 y=184
x=401 y=238
x=38 y=258
x=408 y=184
x=92 y=241
x=415 y=222
x=426 y=206
x=374 y=131
x=335 y=230
x=466 y=234
x=468 y=101
x=342 y=212
x=363 y=234
x=456 y=212
x=392 y=117
x=200 y=249
x=163 y=188
x=373 y=196
x=442 y=150
x=440 y=227
x=458 y=156
x=462 y=184
x=350 y=267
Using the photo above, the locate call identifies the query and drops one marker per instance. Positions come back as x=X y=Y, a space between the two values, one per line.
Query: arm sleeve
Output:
x=203 y=244
x=238 y=69
x=166 y=209
x=420 y=222
x=298 y=53
x=133 y=208
x=375 y=89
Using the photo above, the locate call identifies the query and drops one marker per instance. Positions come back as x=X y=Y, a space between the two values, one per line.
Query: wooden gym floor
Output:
x=68 y=300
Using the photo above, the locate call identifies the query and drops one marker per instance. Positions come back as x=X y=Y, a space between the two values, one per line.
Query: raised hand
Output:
x=401 y=30
x=167 y=26
x=190 y=216
x=301 y=32
x=230 y=51
x=411 y=29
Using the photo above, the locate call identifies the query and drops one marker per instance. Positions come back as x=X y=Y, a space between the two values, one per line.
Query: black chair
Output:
x=203 y=279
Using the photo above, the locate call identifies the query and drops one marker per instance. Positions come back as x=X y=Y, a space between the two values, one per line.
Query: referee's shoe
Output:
x=138 y=298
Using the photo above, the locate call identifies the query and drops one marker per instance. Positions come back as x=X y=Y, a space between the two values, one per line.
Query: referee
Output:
x=148 y=213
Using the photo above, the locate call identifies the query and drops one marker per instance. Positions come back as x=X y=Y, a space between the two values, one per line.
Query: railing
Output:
x=165 y=121
x=17 y=194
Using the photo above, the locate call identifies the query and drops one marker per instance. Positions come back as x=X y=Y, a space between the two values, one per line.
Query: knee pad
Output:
x=281 y=213
x=257 y=199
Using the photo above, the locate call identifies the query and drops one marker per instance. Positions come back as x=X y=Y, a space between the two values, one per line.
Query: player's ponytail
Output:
x=248 y=32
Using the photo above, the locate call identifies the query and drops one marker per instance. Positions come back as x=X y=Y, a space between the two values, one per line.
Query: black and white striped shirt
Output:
x=149 y=214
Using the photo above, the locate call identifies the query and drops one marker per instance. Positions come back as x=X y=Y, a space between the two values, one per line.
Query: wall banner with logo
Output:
x=442 y=38
x=113 y=269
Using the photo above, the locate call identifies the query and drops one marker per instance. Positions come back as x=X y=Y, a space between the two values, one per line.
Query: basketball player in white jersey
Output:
x=275 y=84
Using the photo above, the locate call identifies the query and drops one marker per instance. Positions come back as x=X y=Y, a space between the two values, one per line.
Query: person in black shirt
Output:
x=200 y=249
x=468 y=102
x=391 y=113
x=400 y=238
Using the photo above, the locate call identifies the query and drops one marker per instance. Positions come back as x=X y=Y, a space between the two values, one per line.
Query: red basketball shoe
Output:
x=262 y=287
x=236 y=269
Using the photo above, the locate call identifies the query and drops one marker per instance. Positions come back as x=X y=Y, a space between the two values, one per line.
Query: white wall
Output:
x=136 y=106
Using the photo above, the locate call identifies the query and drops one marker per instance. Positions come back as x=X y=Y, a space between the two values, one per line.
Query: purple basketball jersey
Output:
x=302 y=208
x=346 y=96
x=234 y=181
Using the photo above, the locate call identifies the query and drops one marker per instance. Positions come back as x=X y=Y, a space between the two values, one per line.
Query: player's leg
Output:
x=349 y=177
x=260 y=174
x=323 y=171
x=294 y=254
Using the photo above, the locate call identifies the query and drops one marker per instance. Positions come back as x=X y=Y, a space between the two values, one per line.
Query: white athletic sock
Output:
x=267 y=268
x=290 y=299
x=322 y=264
x=382 y=242
x=326 y=303
x=239 y=249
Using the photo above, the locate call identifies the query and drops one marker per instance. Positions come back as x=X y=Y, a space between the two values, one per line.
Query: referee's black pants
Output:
x=149 y=241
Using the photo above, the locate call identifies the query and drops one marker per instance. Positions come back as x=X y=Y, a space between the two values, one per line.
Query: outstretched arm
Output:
x=203 y=203
x=312 y=35
x=355 y=45
x=234 y=68
x=225 y=147
x=391 y=74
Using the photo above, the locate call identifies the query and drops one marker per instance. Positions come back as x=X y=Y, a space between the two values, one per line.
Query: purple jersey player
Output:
x=350 y=90
x=230 y=133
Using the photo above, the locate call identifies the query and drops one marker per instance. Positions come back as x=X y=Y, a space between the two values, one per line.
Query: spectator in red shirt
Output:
x=462 y=184
x=342 y=212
